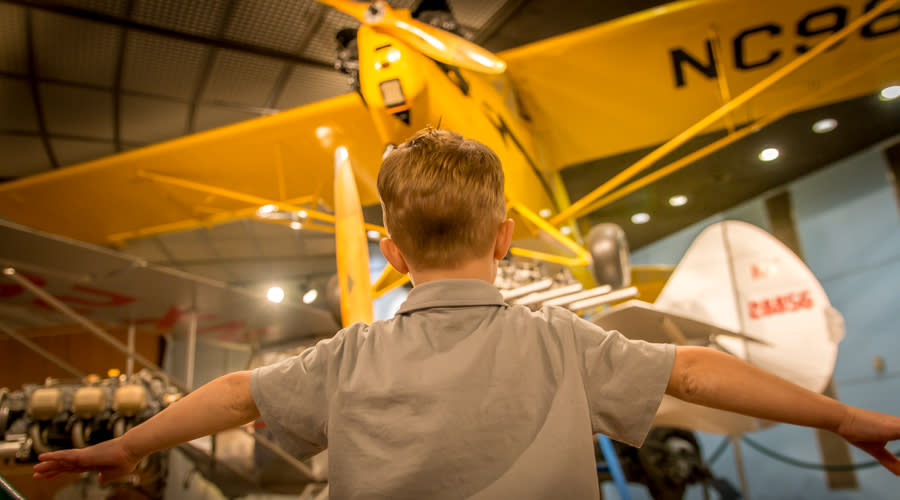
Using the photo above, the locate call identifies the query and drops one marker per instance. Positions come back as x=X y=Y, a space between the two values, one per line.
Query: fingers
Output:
x=887 y=459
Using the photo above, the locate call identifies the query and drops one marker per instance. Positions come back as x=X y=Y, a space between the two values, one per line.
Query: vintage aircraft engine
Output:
x=348 y=56
x=609 y=255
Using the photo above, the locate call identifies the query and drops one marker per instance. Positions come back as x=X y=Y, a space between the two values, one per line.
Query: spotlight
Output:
x=890 y=93
x=275 y=294
x=640 y=218
x=567 y=230
x=824 y=125
x=545 y=212
x=303 y=214
x=266 y=210
x=678 y=200
x=373 y=234
x=768 y=154
x=296 y=226
x=310 y=296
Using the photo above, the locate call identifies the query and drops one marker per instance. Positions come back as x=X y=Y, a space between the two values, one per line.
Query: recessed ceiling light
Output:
x=266 y=210
x=296 y=226
x=565 y=230
x=678 y=200
x=824 y=125
x=890 y=93
x=545 y=212
x=310 y=296
x=275 y=294
x=640 y=218
x=768 y=154
x=373 y=234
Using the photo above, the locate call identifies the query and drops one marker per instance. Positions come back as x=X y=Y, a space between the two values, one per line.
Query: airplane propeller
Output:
x=435 y=43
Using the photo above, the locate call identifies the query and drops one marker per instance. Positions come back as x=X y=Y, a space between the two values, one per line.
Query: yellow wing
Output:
x=203 y=179
x=642 y=79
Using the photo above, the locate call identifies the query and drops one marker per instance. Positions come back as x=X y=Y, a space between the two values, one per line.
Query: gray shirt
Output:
x=463 y=396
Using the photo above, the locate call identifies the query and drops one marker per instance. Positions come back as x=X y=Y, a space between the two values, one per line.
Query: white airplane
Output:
x=739 y=290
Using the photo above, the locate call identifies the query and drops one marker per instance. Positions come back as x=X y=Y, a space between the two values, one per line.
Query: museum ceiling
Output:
x=82 y=79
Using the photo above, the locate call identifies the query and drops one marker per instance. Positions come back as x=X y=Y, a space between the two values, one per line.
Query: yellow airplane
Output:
x=660 y=76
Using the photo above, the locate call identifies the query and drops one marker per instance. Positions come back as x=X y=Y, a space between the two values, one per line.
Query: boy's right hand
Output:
x=110 y=458
x=871 y=431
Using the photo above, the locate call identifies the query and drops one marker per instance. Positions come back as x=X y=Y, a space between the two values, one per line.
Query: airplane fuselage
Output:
x=406 y=91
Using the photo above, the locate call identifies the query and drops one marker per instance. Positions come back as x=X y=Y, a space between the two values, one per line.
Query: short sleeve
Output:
x=292 y=397
x=624 y=379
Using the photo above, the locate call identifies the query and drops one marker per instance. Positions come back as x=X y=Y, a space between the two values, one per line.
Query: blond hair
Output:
x=442 y=197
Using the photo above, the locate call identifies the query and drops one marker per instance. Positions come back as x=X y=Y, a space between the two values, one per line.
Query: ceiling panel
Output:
x=319 y=245
x=209 y=117
x=147 y=249
x=200 y=17
x=147 y=120
x=212 y=271
x=323 y=46
x=274 y=23
x=237 y=77
x=70 y=152
x=22 y=156
x=159 y=65
x=186 y=245
x=13 y=42
x=303 y=266
x=234 y=248
x=75 y=50
x=309 y=84
x=475 y=13
x=77 y=111
x=17 y=105
x=110 y=7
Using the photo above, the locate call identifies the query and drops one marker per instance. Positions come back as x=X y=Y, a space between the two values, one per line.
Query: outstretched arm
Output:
x=222 y=404
x=718 y=380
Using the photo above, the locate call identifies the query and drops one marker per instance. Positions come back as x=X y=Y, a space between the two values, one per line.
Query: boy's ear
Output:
x=393 y=255
x=504 y=239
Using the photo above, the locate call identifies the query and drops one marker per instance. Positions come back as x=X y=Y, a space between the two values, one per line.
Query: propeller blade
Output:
x=357 y=10
x=435 y=43
x=352 y=246
x=441 y=45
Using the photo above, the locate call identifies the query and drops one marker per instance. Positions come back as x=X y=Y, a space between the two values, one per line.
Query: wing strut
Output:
x=740 y=134
x=578 y=208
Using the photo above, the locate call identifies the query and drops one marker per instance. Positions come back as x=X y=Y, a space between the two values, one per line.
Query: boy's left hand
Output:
x=110 y=458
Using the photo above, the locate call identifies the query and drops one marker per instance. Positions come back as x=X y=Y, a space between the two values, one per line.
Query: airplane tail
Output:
x=741 y=278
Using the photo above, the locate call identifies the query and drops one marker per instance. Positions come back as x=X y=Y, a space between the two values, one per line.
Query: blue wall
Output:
x=847 y=221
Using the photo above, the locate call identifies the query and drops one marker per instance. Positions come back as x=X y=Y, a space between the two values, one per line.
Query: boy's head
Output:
x=442 y=198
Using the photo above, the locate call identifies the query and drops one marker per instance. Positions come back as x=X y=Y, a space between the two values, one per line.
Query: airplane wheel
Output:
x=609 y=255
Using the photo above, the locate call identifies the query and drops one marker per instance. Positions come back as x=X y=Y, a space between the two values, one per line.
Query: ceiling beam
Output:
x=35 y=91
x=218 y=42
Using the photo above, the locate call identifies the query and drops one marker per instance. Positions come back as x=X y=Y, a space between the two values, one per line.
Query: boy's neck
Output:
x=484 y=269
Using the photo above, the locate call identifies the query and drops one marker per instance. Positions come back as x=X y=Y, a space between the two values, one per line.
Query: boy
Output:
x=460 y=395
